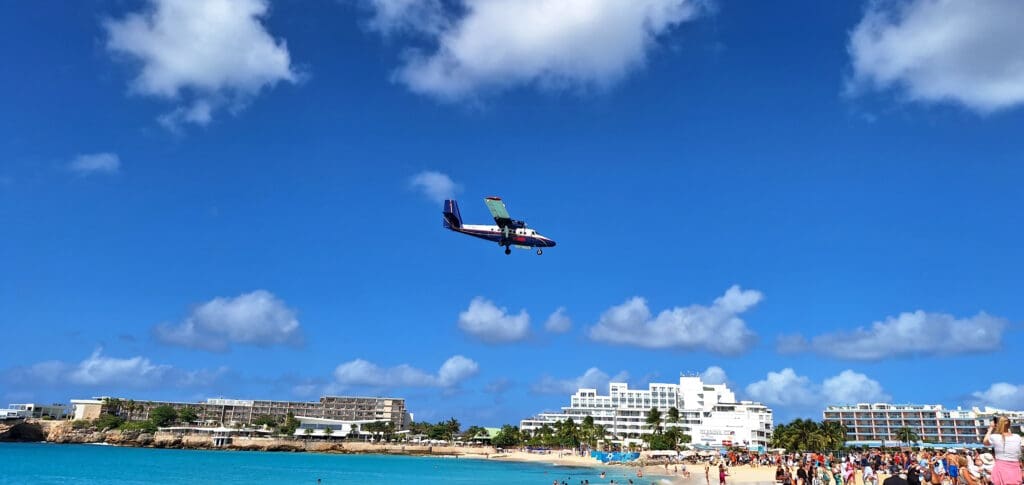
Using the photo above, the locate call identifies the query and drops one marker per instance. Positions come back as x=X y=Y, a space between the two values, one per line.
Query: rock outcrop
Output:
x=21 y=432
x=65 y=432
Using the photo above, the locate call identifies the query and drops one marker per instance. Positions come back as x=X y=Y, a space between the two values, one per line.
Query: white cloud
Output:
x=418 y=16
x=257 y=318
x=787 y=389
x=558 y=322
x=206 y=54
x=783 y=388
x=489 y=323
x=915 y=333
x=593 y=378
x=717 y=328
x=498 y=44
x=1001 y=395
x=435 y=185
x=99 y=371
x=363 y=373
x=850 y=387
x=965 y=52
x=714 y=375
x=95 y=163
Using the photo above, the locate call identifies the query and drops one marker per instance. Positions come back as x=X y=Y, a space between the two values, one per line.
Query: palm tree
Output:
x=473 y=432
x=907 y=435
x=673 y=415
x=567 y=433
x=654 y=420
x=328 y=432
x=452 y=427
x=834 y=433
x=308 y=432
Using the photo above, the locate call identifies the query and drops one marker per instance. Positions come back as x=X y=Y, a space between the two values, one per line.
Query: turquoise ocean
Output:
x=30 y=463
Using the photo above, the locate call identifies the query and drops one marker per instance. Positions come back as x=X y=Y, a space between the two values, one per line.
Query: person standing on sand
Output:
x=722 y=474
x=707 y=473
x=1006 y=446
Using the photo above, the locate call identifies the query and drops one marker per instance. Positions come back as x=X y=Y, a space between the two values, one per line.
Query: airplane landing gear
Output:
x=540 y=251
x=508 y=250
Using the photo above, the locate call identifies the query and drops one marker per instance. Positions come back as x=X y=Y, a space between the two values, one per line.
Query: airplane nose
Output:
x=551 y=243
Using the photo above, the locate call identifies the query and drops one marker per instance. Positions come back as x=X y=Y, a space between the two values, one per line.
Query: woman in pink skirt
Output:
x=1007 y=452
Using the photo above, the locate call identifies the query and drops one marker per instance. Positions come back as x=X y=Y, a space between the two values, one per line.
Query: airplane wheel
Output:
x=508 y=251
x=540 y=252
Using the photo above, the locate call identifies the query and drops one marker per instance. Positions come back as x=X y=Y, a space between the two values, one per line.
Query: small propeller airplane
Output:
x=509 y=232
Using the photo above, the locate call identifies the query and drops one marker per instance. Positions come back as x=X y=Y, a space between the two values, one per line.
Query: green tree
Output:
x=328 y=432
x=113 y=406
x=907 y=435
x=131 y=407
x=544 y=435
x=308 y=432
x=187 y=415
x=834 y=434
x=107 y=421
x=654 y=420
x=508 y=436
x=290 y=424
x=452 y=428
x=162 y=415
x=473 y=432
x=144 y=426
x=567 y=434
x=264 y=420
x=673 y=415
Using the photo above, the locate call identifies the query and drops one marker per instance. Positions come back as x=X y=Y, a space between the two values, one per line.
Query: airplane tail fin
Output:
x=452 y=217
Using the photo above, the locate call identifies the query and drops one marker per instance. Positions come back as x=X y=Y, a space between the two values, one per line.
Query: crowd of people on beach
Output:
x=950 y=467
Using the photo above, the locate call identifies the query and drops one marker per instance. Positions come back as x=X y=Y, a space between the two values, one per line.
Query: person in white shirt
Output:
x=1007 y=452
x=869 y=476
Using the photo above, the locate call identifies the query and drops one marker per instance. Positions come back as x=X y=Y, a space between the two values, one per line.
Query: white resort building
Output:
x=878 y=422
x=709 y=413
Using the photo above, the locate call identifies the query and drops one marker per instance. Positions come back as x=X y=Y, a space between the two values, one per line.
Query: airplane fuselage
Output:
x=515 y=237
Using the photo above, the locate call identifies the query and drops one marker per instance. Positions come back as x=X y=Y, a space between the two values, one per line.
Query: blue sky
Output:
x=816 y=202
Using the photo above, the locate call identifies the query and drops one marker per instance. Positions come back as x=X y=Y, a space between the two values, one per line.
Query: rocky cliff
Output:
x=21 y=432
x=64 y=432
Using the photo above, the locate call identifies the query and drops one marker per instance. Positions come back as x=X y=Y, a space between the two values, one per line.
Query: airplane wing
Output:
x=500 y=214
x=498 y=211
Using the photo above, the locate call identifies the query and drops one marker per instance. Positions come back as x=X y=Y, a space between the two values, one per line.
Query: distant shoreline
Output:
x=62 y=432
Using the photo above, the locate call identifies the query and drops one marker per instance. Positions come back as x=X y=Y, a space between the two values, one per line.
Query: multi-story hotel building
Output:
x=242 y=411
x=709 y=413
x=931 y=422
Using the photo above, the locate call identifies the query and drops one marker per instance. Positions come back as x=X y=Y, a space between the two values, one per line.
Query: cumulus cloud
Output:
x=967 y=53
x=850 y=387
x=95 y=163
x=714 y=375
x=787 y=389
x=558 y=322
x=257 y=318
x=1001 y=395
x=363 y=373
x=414 y=16
x=102 y=371
x=492 y=45
x=486 y=321
x=593 y=378
x=784 y=388
x=205 y=55
x=435 y=185
x=909 y=333
x=717 y=328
